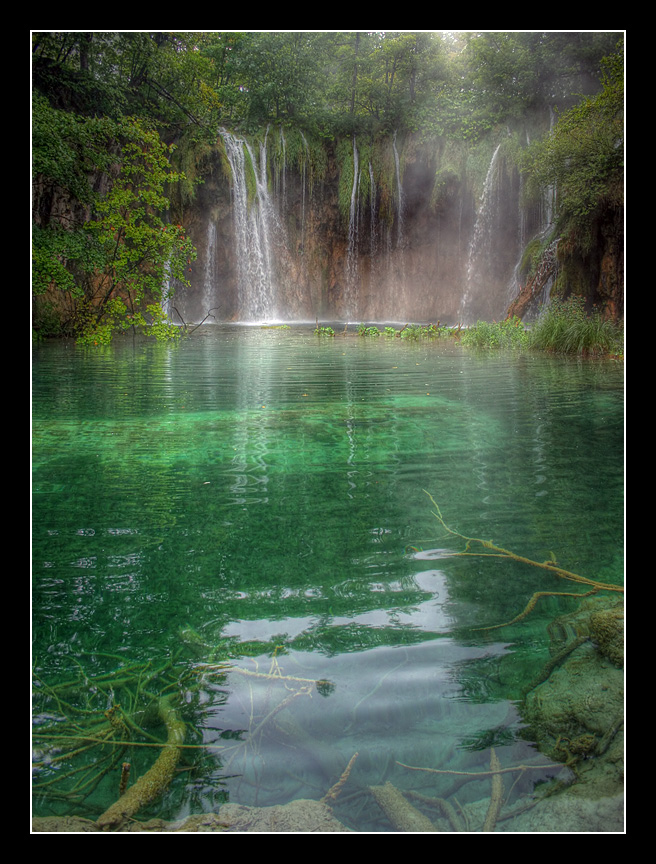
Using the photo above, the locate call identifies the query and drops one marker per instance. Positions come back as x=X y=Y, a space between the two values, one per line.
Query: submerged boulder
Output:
x=576 y=714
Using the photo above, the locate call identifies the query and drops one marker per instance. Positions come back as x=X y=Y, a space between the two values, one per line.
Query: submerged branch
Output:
x=494 y=551
x=477 y=774
x=403 y=816
x=154 y=782
x=500 y=552
x=497 y=793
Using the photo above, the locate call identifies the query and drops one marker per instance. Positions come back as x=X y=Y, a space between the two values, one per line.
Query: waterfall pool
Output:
x=240 y=524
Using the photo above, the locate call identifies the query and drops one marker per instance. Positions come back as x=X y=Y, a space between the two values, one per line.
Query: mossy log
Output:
x=497 y=793
x=402 y=815
x=155 y=781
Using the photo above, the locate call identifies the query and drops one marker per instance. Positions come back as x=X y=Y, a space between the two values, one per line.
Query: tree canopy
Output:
x=583 y=156
x=375 y=80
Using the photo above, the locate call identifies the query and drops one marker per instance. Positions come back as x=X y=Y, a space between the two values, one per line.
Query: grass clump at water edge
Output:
x=564 y=327
x=497 y=334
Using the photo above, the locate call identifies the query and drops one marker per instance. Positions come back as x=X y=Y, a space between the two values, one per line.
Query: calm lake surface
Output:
x=255 y=501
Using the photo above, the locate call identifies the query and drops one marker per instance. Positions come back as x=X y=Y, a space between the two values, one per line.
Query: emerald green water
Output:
x=257 y=497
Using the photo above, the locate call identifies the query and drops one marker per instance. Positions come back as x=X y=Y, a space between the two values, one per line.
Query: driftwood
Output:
x=402 y=815
x=154 y=782
x=334 y=790
x=497 y=793
x=494 y=551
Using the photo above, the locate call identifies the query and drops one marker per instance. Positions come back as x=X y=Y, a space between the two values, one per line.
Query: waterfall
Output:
x=392 y=257
x=399 y=190
x=352 y=251
x=254 y=223
x=373 y=233
x=480 y=248
x=209 y=286
x=304 y=165
x=166 y=302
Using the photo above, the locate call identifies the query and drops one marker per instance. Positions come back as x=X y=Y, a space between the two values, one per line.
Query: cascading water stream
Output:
x=352 y=250
x=166 y=303
x=535 y=294
x=373 y=233
x=399 y=190
x=304 y=165
x=253 y=221
x=209 y=287
x=480 y=249
x=283 y=145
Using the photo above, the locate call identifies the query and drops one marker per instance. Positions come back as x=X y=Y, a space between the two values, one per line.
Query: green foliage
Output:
x=330 y=84
x=111 y=258
x=58 y=254
x=324 y=331
x=504 y=74
x=165 y=77
x=583 y=157
x=67 y=148
x=497 y=334
x=564 y=327
x=432 y=331
x=141 y=251
x=364 y=330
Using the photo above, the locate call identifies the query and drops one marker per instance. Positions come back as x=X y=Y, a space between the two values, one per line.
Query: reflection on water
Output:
x=240 y=521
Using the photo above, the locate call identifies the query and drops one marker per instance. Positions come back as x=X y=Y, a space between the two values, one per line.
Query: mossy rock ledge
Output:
x=576 y=715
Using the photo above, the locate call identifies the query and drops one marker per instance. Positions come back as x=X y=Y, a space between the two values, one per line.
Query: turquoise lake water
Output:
x=255 y=501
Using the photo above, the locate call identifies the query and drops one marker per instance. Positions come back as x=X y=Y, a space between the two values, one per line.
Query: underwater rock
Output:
x=576 y=715
x=296 y=817
x=63 y=825
x=607 y=631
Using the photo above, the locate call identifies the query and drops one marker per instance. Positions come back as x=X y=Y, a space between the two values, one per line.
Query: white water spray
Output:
x=480 y=250
x=254 y=222
x=399 y=192
x=352 y=250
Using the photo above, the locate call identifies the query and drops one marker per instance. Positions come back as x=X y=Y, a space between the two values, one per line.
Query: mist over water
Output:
x=281 y=251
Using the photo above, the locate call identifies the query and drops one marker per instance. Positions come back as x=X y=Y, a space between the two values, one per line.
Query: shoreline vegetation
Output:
x=564 y=327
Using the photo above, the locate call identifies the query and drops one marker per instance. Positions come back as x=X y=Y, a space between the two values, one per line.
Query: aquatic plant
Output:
x=88 y=727
x=430 y=331
x=364 y=330
x=411 y=331
x=510 y=333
